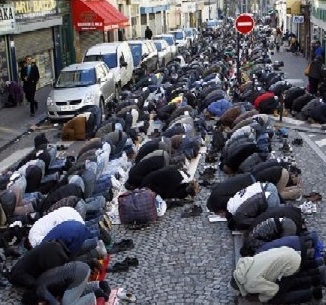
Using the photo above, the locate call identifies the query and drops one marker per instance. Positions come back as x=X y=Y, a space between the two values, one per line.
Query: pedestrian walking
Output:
x=30 y=76
x=148 y=33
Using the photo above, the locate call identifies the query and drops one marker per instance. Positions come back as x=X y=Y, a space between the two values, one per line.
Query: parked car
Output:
x=78 y=86
x=118 y=57
x=144 y=54
x=169 y=38
x=180 y=38
x=164 y=52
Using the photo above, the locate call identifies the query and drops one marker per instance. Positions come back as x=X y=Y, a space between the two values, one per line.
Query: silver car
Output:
x=78 y=86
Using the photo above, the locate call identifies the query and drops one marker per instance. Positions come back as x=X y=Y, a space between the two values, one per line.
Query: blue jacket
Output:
x=219 y=107
x=287 y=241
x=72 y=233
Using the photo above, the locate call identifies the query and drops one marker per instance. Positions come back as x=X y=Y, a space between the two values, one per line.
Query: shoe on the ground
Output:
x=118 y=267
x=196 y=210
x=127 y=297
x=297 y=141
x=308 y=207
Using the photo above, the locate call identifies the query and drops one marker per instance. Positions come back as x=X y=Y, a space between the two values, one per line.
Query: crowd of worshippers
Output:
x=56 y=208
x=282 y=262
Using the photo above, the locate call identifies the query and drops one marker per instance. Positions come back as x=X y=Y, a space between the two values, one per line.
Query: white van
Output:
x=118 y=58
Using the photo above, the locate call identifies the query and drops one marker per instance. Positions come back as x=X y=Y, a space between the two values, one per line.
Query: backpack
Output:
x=137 y=207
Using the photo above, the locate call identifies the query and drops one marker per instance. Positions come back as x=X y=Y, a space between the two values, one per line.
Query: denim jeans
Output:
x=95 y=203
x=73 y=295
x=273 y=199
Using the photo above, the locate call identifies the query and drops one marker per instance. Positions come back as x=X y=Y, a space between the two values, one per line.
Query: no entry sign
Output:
x=244 y=23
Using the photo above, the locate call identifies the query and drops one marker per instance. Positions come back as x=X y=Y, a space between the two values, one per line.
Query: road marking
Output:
x=321 y=143
x=244 y=23
x=15 y=157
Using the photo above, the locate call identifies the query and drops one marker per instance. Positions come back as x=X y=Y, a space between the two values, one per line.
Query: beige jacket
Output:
x=258 y=274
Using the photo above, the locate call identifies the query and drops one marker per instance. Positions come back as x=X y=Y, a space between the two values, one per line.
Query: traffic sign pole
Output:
x=244 y=24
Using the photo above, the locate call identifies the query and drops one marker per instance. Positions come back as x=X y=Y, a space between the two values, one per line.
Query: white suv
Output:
x=79 y=86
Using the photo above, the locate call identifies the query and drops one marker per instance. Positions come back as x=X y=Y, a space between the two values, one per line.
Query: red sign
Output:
x=244 y=24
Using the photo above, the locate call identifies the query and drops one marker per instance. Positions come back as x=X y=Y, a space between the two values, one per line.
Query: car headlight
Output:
x=89 y=98
x=50 y=101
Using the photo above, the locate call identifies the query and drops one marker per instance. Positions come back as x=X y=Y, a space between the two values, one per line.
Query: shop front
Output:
x=95 y=22
x=37 y=24
x=7 y=26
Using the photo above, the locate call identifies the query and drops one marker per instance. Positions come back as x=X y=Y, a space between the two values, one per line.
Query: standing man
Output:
x=30 y=76
x=148 y=33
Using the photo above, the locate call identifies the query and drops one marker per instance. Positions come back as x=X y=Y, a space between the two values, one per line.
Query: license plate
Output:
x=67 y=108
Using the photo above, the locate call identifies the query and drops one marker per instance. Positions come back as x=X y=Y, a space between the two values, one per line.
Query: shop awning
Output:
x=98 y=15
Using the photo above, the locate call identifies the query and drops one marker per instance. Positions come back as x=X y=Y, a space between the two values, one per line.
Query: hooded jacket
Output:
x=45 y=224
x=258 y=274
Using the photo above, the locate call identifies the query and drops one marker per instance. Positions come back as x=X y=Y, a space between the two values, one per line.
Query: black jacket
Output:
x=32 y=78
x=248 y=211
x=43 y=257
x=166 y=182
x=141 y=169
x=223 y=191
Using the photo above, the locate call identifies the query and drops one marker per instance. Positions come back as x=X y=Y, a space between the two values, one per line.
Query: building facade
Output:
x=36 y=25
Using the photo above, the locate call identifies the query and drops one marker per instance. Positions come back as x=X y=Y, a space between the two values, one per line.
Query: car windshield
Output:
x=110 y=59
x=136 y=51
x=188 y=33
x=77 y=78
x=178 y=35
x=158 y=46
x=169 y=40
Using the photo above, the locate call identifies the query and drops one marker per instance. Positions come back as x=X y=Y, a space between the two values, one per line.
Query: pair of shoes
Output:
x=196 y=210
x=313 y=196
x=297 y=141
x=308 y=207
x=118 y=267
x=126 y=297
x=125 y=244
x=124 y=265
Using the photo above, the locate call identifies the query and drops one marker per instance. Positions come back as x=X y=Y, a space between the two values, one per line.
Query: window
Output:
x=78 y=78
x=110 y=59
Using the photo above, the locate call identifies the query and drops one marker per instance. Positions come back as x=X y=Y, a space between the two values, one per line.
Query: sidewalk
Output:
x=14 y=122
